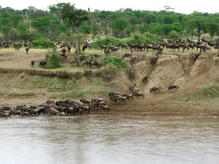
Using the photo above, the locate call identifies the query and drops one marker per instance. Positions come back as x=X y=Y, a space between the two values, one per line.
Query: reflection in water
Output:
x=110 y=139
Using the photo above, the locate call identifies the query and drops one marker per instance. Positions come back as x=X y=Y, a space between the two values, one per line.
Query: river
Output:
x=109 y=139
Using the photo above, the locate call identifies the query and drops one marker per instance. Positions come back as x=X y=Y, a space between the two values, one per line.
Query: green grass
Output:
x=118 y=62
x=205 y=96
x=210 y=91
x=58 y=88
x=83 y=89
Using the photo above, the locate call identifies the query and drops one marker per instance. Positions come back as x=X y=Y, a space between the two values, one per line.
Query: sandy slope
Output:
x=174 y=69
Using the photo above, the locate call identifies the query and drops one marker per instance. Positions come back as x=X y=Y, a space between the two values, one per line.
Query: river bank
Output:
x=198 y=94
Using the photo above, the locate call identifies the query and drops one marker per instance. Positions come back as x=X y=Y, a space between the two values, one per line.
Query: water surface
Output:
x=99 y=139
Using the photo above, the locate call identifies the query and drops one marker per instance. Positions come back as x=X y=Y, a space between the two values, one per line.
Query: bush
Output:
x=53 y=59
x=144 y=38
x=109 y=41
x=118 y=62
x=108 y=71
x=174 y=35
x=42 y=43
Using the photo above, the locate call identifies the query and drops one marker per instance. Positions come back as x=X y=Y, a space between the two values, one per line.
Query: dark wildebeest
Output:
x=17 y=46
x=63 y=54
x=173 y=87
x=153 y=60
x=42 y=63
x=131 y=74
x=145 y=80
x=127 y=55
x=32 y=63
x=84 y=47
x=155 y=89
x=27 y=50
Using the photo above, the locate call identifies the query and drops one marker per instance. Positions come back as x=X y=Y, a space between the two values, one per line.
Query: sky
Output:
x=182 y=6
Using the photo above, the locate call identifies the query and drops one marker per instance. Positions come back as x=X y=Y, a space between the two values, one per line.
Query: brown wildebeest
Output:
x=42 y=63
x=155 y=90
x=17 y=46
x=27 y=49
x=153 y=60
x=145 y=80
x=32 y=63
x=63 y=54
x=173 y=87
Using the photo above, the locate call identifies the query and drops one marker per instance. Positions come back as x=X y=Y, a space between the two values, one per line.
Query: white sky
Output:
x=183 y=6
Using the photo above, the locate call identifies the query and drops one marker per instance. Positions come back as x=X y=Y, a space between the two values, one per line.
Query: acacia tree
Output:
x=75 y=17
x=57 y=9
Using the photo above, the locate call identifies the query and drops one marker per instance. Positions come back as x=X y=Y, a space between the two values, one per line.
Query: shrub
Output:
x=42 y=43
x=174 y=35
x=53 y=59
x=109 y=71
x=109 y=41
x=118 y=62
x=144 y=38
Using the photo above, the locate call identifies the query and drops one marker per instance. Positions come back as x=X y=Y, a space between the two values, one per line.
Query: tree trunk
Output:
x=199 y=32
x=77 y=41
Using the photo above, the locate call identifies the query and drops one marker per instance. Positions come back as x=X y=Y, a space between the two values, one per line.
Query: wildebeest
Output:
x=32 y=63
x=42 y=63
x=153 y=60
x=155 y=89
x=131 y=74
x=17 y=46
x=27 y=50
x=127 y=55
x=145 y=80
x=173 y=87
x=63 y=54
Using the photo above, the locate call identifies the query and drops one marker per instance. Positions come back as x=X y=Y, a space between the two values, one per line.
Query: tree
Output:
x=213 y=28
x=119 y=27
x=57 y=9
x=13 y=34
x=75 y=17
x=42 y=25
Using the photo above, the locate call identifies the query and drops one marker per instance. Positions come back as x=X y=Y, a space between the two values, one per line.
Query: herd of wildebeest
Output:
x=72 y=107
x=202 y=45
x=68 y=107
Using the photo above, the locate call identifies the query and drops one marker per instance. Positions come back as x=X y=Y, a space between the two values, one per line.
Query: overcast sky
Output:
x=183 y=6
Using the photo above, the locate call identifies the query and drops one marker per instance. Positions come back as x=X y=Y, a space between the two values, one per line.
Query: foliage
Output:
x=108 y=71
x=119 y=27
x=53 y=59
x=108 y=41
x=118 y=62
x=73 y=15
x=174 y=35
x=41 y=43
x=144 y=38
x=64 y=17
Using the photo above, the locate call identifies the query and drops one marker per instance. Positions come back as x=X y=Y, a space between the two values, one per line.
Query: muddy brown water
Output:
x=110 y=139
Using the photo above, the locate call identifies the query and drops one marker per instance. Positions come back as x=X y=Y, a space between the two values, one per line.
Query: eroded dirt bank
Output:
x=175 y=69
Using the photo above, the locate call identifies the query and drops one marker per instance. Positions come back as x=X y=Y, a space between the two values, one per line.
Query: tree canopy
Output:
x=63 y=18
